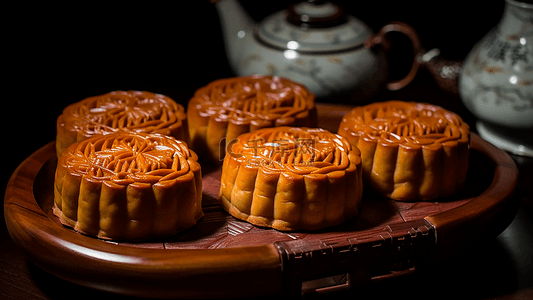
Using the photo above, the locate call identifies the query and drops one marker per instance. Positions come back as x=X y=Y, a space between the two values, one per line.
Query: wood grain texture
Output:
x=230 y=256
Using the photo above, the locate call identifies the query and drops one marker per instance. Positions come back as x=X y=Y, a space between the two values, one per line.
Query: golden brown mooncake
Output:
x=120 y=110
x=291 y=178
x=227 y=108
x=410 y=151
x=128 y=186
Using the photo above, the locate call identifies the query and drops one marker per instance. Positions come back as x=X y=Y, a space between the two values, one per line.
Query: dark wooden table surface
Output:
x=54 y=67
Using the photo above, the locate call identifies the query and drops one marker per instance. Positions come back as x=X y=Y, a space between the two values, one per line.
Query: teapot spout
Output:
x=237 y=29
x=445 y=72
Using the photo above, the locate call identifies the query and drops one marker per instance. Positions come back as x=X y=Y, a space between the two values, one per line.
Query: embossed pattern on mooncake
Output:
x=291 y=178
x=121 y=110
x=227 y=108
x=410 y=151
x=128 y=186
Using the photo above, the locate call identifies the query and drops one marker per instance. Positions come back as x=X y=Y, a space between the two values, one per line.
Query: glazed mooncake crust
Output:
x=227 y=108
x=128 y=186
x=410 y=151
x=291 y=178
x=136 y=111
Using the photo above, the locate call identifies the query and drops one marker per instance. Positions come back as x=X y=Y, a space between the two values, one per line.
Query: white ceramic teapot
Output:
x=314 y=43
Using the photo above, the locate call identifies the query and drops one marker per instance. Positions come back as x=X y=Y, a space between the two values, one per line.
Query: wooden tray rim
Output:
x=135 y=271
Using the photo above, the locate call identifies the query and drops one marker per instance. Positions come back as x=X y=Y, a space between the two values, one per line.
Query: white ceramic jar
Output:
x=496 y=81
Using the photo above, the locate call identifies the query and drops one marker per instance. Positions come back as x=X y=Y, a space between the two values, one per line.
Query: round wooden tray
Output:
x=222 y=256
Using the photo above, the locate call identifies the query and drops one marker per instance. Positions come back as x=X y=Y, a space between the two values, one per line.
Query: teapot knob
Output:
x=315 y=14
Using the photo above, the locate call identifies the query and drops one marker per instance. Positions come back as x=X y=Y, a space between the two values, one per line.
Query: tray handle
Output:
x=351 y=258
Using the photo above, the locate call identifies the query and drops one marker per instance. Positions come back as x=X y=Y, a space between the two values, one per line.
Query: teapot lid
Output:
x=313 y=26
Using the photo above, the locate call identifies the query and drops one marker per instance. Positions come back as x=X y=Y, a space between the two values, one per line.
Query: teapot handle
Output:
x=410 y=32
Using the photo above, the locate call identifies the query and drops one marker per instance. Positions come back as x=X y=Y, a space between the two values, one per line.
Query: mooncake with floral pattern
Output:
x=410 y=151
x=128 y=186
x=291 y=178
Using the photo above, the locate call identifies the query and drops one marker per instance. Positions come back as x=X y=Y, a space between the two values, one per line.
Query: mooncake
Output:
x=227 y=108
x=291 y=178
x=410 y=151
x=128 y=186
x=120 y=110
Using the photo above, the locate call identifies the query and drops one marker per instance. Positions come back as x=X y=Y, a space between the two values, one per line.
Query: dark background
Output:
x=58 y=54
